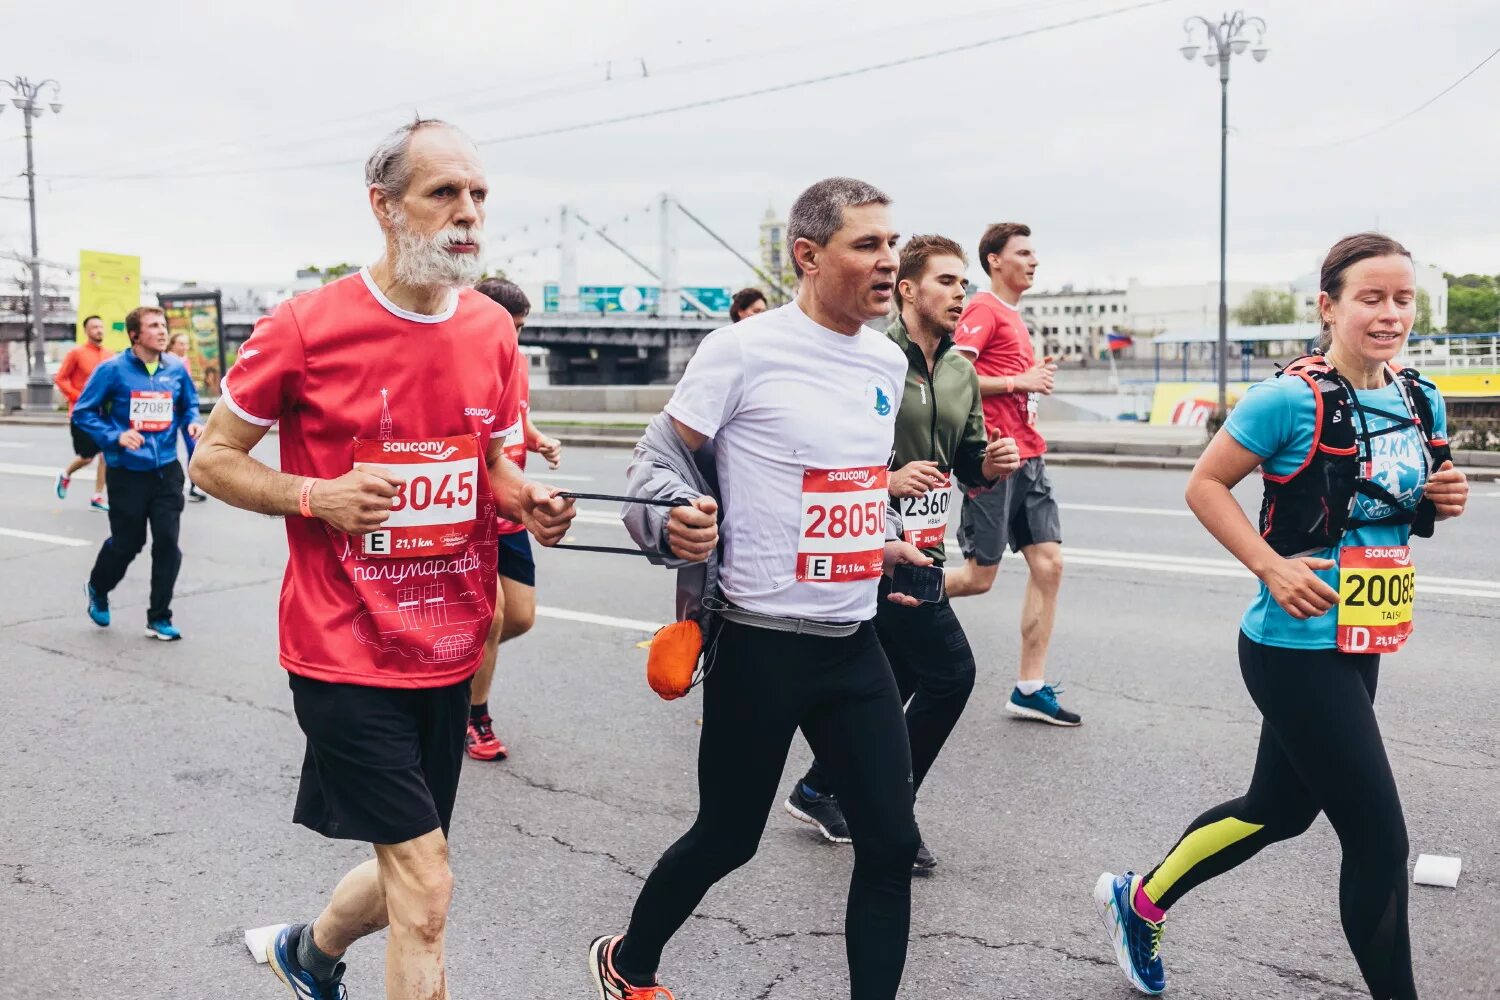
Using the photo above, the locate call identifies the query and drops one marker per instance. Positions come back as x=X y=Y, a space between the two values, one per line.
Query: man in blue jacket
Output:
x=133 y=407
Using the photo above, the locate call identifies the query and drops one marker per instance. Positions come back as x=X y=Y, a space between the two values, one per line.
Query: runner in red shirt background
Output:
x=516 y=610
x=72 y=375
x=392 y=389
x=1019 y=511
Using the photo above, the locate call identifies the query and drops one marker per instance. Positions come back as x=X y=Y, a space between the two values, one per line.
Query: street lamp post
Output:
x=1229 y=37
x=28 y=97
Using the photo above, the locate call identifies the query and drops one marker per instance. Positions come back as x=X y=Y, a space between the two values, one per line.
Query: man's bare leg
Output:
x=79 y=463
x=357 y=909
x=99 y=469
x=418 y=887
x=969 y=579
x=1039 y=607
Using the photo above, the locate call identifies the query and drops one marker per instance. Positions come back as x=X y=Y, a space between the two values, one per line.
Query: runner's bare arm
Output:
x=1292 y=582
x=357 y=502
x=545 y=514
x=690 y=437
x=222 y=467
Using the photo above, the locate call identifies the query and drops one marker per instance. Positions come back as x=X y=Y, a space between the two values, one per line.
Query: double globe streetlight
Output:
x=1227 y=38
x=28 y=97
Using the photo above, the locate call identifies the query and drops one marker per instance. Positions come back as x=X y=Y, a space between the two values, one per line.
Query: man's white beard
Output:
x=425 y=262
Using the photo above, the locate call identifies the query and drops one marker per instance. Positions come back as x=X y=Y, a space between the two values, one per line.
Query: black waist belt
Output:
x=776 y=623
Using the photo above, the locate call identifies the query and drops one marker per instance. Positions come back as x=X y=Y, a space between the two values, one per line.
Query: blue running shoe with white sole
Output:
x=1041 y=707
x=281 y=956
x=61 y=486
x=1136 y=940
x=98 y=607
x=162 y=629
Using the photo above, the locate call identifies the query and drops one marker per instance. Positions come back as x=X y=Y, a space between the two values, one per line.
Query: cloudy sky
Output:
x=228 y=147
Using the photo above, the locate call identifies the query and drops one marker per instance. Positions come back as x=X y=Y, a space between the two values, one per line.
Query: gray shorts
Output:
x=1019 y=512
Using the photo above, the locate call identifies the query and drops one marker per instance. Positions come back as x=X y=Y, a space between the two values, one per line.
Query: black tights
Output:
x=1320 y=751
x=763 y=686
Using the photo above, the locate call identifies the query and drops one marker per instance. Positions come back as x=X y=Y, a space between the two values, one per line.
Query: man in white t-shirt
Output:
x=799 y=404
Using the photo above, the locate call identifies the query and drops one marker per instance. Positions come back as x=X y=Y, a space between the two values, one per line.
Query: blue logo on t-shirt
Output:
x=882 y=402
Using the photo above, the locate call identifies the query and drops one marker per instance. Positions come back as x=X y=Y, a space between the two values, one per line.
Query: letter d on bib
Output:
x=1358 y=641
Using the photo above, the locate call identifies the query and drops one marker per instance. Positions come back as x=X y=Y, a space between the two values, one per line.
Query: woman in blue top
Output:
x=1320 y=747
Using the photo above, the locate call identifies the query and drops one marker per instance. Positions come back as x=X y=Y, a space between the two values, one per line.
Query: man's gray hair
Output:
x=389 y=167
x=818 y=212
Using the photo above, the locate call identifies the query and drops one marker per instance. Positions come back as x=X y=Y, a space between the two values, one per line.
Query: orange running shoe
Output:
x=481 y=741
x=612 y=985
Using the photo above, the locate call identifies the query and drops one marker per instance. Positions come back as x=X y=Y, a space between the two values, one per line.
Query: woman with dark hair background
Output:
x=747 y=302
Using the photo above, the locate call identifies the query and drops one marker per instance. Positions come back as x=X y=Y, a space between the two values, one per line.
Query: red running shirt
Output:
x=343 y=368
x=993 y=336
x=515 y=435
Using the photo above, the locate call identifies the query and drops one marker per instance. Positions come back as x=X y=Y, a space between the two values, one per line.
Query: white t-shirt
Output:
x=779 y=395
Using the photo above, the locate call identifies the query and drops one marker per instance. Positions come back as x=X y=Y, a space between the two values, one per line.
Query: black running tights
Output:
x=763 y=686
x=1320 y=751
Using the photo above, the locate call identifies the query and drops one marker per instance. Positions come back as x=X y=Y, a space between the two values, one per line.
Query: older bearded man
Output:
x=394 y=391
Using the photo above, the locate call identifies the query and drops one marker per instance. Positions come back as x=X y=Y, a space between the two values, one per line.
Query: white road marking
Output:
x=44 y=471
x=1107 y=509
x=37 y=536
x=589 y=618
x=14 y=444
x=1179 y=564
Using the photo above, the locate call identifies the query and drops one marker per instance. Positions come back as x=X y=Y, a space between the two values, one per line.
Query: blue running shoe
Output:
x=62 y=486
x=281 y=956
x=162 y=629
x=1042 y=707
x=1136 y=940
x=98 y=607
x=97 y=502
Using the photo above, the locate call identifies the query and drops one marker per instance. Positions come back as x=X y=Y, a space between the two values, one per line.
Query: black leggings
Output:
x=934 y=669
x=763 y=686
x=1320 y=751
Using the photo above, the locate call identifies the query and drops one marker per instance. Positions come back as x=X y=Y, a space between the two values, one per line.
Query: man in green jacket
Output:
x=940 y=438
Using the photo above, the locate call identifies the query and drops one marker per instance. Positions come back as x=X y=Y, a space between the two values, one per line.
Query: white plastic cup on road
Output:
x=1434 y=869
x=257 y=938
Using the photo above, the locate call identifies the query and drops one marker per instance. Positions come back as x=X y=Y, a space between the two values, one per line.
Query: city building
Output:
x=773 y=254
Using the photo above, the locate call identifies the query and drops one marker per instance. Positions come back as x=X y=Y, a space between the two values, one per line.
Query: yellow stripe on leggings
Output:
x=1203 y=842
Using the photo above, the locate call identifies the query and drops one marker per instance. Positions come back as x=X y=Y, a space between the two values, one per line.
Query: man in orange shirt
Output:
x=70 y=379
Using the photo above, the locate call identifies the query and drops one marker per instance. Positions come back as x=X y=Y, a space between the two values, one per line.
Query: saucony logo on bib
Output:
x=859 y=477
x=435 y=450
x=1401 y=555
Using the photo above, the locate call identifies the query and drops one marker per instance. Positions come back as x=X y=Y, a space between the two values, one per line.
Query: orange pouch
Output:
x=673 y=659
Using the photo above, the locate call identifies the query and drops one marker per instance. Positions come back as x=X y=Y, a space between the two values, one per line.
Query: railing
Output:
x=1455 y=353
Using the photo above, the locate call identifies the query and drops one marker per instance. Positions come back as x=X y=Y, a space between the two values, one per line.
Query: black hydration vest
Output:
x=1311 y=509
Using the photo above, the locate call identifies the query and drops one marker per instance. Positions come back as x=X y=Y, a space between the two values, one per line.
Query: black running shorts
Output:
x=382 y=763
x=516 y=561
x=84 y=446
x=1019 y=511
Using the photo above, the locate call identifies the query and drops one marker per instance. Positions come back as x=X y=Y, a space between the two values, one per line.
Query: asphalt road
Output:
x=148 y=788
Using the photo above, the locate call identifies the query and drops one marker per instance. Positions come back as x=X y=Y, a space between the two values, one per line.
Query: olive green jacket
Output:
x=941 y=417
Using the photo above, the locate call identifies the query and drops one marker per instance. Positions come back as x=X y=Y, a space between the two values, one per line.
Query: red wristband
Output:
x=304 y=497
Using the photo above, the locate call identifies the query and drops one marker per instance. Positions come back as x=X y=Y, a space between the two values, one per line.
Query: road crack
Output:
x=1006 y=945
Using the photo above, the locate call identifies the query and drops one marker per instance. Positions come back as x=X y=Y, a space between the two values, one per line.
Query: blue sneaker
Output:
x=97 y=502
x=1042 y=707
x=162 y=629
x=1136 y=940
x=98 y=607
x=62 y=486
x=281 y=956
